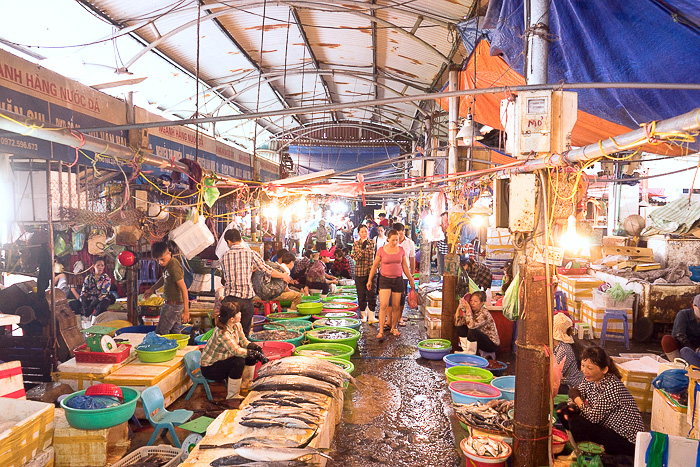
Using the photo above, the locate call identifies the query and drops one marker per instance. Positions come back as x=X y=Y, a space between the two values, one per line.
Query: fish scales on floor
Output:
x=311 y=367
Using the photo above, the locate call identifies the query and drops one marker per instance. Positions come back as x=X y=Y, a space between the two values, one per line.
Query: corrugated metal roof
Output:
x=313 y=52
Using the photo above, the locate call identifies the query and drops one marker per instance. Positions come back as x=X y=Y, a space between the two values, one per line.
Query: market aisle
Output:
x=401 y=416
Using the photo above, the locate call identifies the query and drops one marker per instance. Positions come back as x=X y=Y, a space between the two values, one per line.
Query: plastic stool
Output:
x=615 y=314
x=484 y=354
x=583 y=329
x=559 y=300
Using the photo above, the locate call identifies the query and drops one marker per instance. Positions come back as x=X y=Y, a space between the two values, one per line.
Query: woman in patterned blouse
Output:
x=563 y=349
x=601 y=409
x=474 y=324
x=95 y=296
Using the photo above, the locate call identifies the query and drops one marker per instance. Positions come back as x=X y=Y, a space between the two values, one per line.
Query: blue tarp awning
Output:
x=315 y=158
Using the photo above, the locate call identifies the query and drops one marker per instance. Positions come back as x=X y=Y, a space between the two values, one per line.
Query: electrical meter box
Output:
x=539 y=123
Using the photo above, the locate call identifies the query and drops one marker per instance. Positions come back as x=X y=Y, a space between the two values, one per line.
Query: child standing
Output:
x=176 y=308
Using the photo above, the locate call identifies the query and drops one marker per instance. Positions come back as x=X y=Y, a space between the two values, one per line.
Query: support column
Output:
x=449 y=299
x=454 y=124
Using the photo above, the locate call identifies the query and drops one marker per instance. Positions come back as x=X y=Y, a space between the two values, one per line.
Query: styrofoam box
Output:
x=88 y=448
x=593 y=315
x=31 y=433
x=433 y=311
x=192 y=238
x=44 y=458
x=498 y=236
x=433 y=326
x=604 y=300
x=666 y=418
x=681 y=451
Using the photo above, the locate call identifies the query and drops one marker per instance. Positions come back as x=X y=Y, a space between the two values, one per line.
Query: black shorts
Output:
x=395 y=284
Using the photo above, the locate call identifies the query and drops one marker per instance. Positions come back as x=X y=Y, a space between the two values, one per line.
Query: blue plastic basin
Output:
x=464 y=360
x=506 y=384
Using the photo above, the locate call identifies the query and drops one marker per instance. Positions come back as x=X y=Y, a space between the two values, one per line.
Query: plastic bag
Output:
x=472 y=286
x=672 y=381
x=155 y=343
x=618 y=293
x=92 y=402
x=413 y=299
x=60 y=247
x=511 y=300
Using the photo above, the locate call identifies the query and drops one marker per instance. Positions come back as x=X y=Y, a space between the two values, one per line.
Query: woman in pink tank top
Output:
x=393 y=261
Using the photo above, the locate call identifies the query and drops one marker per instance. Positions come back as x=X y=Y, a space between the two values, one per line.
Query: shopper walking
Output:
x=363 y=253
x=393 y=262
x=176 y=309
x=237 y=265
x=409 y=249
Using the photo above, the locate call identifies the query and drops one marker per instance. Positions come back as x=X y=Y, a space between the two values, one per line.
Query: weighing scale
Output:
x=198 y=427
x=587 y=453
x=98 y=339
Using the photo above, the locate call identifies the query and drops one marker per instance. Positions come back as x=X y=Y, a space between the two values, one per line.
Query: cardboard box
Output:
x=614 y=240
x=88 y=448
x=667 y=416
x=604 y=300
x=31 y=433
x=593 y=315
x=11 y=381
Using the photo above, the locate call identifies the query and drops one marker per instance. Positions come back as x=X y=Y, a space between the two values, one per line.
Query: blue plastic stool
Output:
x=194 y=371
x=615 y=314
x=559 y=301
x=161 y=419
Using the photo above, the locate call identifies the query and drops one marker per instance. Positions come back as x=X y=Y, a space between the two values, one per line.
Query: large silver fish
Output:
x=235 y=459
x=283 y=422
x=294 y=383
x=304 y=417
x=307 y=366
x=262 y=453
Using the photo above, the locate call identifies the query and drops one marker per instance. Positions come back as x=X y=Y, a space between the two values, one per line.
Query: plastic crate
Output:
x=572 y=271
x=82 y=355
x=164 y=453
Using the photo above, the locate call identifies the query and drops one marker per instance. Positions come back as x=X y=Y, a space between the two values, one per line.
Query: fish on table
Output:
x=295 y=383
x=307 y=366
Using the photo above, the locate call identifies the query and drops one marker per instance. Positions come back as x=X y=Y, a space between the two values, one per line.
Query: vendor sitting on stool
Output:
x=686 y=331
x=228 y=354
x=561 y=334
x=601 y=409
x=95 y=296
x=475 y=325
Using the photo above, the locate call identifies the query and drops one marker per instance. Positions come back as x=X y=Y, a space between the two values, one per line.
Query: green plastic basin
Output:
x=468 y=373
x=181 y=339
x=309 y=308
x=340 y=306
x=351 y=323
x=147 y=356
x=287 y=315
x=340 y=298
x=301 y=325
x=342 y=363
x=325 y=351
x=297 y=341
x=434 y=344
x=335 y=314
x=99 y=419
x=351 y=341
x=311 y=298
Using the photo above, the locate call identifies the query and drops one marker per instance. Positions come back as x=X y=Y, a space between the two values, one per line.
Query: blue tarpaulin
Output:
x=604 y=41
x=315 y=158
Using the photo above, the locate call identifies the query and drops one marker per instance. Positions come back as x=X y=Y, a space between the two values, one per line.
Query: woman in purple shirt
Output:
x=393 y=262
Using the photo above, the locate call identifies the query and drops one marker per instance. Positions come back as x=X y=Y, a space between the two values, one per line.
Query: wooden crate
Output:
x=88 y=448
x=638 y=383
x=32 y=431
x=35 y=353
x=593 y=315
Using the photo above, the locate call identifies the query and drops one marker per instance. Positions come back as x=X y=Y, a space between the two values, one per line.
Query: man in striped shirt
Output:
x=238 y=264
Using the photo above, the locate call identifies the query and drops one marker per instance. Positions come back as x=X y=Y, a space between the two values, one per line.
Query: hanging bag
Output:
x=511 y=300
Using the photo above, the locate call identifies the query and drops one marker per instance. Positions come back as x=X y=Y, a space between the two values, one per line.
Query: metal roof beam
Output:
x=375 y=76
x=302 y=32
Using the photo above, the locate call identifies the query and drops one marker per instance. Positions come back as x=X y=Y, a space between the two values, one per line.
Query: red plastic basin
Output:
x=274 y=351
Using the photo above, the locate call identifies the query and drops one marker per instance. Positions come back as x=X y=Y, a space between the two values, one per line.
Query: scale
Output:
x=98 y=339
x=587 y=453
x=198 y=427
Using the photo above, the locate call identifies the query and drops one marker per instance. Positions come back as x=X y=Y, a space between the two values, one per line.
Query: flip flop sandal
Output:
x=387 y=327
x=395 y=332
x=402 y=323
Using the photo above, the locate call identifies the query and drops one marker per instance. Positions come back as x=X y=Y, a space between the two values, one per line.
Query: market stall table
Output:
x=8 y=320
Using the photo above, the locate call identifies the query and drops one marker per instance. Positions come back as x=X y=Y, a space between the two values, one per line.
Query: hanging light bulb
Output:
x=570 y=241
x=468 y=132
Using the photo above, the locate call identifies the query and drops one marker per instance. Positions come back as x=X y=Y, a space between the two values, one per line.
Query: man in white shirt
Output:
x=409 y=249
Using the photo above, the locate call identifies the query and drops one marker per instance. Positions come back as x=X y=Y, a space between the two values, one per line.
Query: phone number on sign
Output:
x=16 y=143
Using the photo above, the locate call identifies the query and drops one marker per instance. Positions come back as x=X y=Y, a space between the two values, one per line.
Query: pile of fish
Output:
x=331 y=334
x=276 y=335
x=492 y=416
x=282 y=415
x=485 y=447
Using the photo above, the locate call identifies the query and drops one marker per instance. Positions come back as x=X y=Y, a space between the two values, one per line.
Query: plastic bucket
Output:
x=351 y=341
x=434 y=354
x=468 y=373
x=258 y=321
x=274 y=350
x=461 y=359
x=507 y=386
x=468 y=392
x=497 y=367
x=325 y=351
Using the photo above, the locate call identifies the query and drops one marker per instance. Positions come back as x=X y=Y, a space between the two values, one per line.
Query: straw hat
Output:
x=562 y=323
